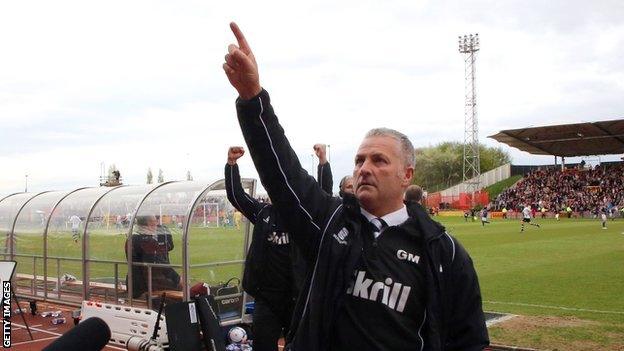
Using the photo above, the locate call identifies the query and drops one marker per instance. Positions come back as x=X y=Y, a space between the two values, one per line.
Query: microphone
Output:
x=90 y=335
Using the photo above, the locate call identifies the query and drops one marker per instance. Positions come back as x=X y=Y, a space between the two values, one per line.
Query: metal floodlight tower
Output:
x=468 y=46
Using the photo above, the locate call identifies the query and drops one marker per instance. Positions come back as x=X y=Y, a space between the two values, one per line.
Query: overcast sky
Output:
x=140 y=84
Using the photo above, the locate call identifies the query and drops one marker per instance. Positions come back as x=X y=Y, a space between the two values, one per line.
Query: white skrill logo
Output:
x=278 y=239
x=404 y=255
x=393 y=295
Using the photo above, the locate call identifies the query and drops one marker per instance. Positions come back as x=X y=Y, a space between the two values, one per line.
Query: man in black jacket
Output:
x=151 y=243
x=384 y=276
x=271 y=260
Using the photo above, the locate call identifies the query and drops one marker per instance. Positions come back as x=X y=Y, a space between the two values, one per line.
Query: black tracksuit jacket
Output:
x=275 y=282
x=455 y=319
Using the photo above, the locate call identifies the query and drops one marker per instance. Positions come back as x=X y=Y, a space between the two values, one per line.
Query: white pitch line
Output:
x=32 y=341
x=36 y=329
x=56 y=334
x=494 y=321
x=554 y=307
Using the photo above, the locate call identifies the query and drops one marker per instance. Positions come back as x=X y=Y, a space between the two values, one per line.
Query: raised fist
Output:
x=321 y=152
x=234 y=153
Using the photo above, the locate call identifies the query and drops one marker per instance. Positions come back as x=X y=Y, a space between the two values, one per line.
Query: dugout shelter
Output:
x=77 y=245
x=567 y=140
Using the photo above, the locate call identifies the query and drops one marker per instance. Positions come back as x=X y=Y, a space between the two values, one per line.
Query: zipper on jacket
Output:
x=373 y=248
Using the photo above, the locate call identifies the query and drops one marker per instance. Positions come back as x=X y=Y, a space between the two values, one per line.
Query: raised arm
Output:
x=237 y=196
x=323 y=171
x=294 y=193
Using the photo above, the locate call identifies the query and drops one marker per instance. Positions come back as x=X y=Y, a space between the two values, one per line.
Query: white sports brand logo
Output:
x=341 y=236
x=404 y=255
x=393 y=295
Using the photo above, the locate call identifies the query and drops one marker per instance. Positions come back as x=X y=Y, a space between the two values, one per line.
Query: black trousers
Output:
x=270 y=322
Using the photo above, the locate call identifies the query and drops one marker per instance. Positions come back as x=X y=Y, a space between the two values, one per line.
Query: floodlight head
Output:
x=469 y=43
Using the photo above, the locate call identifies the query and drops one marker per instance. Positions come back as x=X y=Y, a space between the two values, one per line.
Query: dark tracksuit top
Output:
x=337 y=235
x=271 y=259
x=152 y=249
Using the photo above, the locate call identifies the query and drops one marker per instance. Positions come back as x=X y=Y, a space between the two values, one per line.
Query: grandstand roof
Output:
x=568 y=140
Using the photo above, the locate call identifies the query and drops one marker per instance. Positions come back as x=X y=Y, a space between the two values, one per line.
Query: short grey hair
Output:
x=343 y=182
x=407 y=149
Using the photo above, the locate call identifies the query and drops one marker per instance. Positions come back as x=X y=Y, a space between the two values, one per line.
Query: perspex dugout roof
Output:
x=78 y=245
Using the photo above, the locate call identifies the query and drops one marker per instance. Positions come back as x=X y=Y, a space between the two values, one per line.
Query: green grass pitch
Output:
x=207 y=246
x=570 y=267
x=565 y=268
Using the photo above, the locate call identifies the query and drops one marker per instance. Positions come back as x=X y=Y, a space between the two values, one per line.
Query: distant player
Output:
x=75 y=225
x=526 y=218
x=504 y=210
x=484 y=216
x=603 y=218
x=118 y=222
x=466 y=214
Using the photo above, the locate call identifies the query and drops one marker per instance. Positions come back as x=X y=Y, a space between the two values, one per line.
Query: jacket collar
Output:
x=430 y=229
x=394 y=218
x=418 y=217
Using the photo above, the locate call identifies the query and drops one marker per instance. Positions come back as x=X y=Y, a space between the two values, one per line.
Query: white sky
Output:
x=139 y=83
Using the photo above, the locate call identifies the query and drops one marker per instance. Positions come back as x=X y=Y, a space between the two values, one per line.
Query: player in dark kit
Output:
x=271 y=260
x=383 y=276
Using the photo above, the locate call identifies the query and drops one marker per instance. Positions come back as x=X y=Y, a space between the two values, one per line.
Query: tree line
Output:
x=441 y=166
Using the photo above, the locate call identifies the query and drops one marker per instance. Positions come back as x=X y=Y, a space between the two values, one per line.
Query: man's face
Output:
x=347 y=187
x=152 y=224
x=380 y=175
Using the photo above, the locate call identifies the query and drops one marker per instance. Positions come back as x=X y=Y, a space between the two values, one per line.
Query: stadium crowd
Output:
x=584 y=191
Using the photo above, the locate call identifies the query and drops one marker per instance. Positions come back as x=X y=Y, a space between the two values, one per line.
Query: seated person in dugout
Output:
x=151 y=243
x=385 y=275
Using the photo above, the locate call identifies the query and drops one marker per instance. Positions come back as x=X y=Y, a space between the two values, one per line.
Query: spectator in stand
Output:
x=572 y=190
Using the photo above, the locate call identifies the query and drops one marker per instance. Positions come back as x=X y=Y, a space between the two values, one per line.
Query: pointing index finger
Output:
x=242 y=42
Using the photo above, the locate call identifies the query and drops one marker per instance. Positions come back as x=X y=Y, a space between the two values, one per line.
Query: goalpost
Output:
x=172 y=213
x=210 y=214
